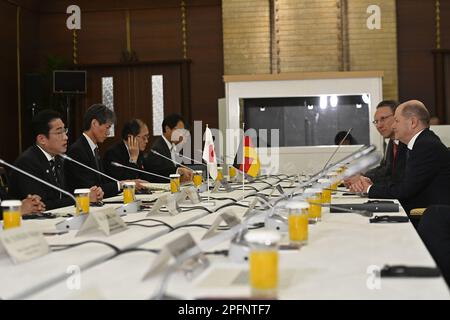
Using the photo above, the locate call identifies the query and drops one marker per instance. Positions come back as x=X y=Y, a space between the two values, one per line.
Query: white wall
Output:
x=443 y=131
x=301 y=159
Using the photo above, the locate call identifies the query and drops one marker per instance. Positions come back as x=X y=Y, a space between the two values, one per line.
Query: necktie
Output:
x=97 y=158
x=395 y=152
x=97 y=163
x=55 y=174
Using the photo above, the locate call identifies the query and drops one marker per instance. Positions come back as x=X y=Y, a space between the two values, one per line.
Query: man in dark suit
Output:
x=43 y=161
x=128 y=152
x=426 y=180
x=392 y=167
x=173 y=129
x=97 y=122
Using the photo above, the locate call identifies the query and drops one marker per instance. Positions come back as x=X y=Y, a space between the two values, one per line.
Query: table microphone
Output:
x=162 y=156
x=116 y=164
x=365 y=157
x=195 y=161
x=337 y=148
x=66 y=157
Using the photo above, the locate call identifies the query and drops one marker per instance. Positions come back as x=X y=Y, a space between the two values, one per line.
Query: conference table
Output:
x=340 y=261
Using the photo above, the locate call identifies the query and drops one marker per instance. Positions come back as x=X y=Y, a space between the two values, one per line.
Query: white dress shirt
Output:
x=171 y=147
x=47 y=155
x=413 y=140
x=93 y=146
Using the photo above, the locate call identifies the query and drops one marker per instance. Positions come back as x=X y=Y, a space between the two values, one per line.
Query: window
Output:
x=108 y=97
x=158 y=104
x=309 y=121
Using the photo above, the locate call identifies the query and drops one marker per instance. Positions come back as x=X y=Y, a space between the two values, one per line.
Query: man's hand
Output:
x=185 y=174
x=351 y=180
x=96 y=194
x=133 y=148
x=138 y=183
x=31 y=204
x=362 y=185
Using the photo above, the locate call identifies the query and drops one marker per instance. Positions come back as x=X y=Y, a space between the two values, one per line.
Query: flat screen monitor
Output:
x=69 y=81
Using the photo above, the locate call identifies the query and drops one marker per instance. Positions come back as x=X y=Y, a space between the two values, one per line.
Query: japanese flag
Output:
x=209 y=155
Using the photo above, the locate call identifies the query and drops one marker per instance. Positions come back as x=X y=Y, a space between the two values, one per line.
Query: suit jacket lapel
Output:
x=44 y=164
x=90 y=154
x=165 y=147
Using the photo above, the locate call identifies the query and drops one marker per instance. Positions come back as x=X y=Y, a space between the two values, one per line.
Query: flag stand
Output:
x=243 y=157
x=208 y=201
x=243 y=166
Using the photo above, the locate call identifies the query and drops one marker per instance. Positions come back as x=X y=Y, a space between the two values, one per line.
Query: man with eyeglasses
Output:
x=426 y=180
x=43 y=161
x=392 y=167
x=128 y=152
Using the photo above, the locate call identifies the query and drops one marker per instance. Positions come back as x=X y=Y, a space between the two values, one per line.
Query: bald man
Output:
x=426 y=179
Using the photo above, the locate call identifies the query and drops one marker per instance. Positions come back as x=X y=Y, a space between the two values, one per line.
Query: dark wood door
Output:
x=132 y=94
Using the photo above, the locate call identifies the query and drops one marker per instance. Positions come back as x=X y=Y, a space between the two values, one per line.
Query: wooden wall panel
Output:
x=54 y=38
x=8 y=83
x=416 y=40
x=192 y=85
x=102 y=37
x=156 y=34
x=205 y=48
x=29 y=64
x=107 y=5
x=445 y=24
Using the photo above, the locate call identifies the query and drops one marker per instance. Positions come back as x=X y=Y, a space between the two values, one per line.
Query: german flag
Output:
x=251 y=165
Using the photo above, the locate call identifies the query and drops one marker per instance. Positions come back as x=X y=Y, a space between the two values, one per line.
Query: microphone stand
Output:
x=66 y=157
x=116 y=164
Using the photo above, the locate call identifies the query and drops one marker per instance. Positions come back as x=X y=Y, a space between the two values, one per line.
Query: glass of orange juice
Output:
x=129 y=189
x=12 y=213
x=198 y=178
x=298 y=222
x=232 y=172
x=314 y=198
x=219 y=174
x=263 y=262
x=174 y=183
x=82 y=197
x=332 y=176
x=326 y=190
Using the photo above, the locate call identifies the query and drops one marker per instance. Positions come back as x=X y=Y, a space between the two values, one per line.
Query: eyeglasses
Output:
x=381 y=120
x=145 y=137
x=60 y=132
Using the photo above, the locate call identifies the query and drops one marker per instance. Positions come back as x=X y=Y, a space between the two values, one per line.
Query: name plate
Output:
x=188 y=193
x=222 y=183
x=106 y=221
x=191 y=265
x=23 y=244
x=228 y=217
x=167 y=200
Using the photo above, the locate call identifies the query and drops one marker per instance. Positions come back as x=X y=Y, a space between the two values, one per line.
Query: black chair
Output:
x=3 y=179
x=434 y=229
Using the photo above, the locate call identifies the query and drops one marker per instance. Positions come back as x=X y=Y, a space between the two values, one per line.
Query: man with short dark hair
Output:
x=43 y=161
x=97 y=121
x=128 y=152
x=173 y=133
x=427 y=173
x=392 y=167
